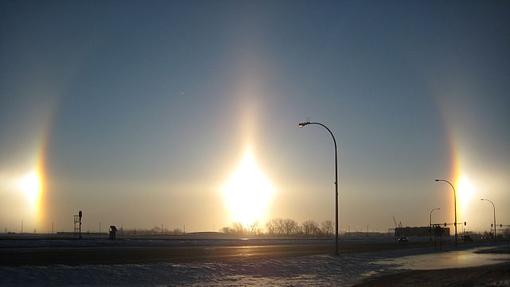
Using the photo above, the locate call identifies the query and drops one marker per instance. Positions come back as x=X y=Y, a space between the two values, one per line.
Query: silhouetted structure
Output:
x=493 y=225
x=419 y=231
x=113 y=232
x=303 y=124
x=77 y=224
x=454 y=204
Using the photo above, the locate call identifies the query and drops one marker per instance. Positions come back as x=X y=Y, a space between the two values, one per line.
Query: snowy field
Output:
x=295 y=271
x=311 y=270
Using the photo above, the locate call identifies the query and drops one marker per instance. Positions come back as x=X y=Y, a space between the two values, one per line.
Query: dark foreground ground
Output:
x=488 y=275
x=17 y=253
x=232 y=262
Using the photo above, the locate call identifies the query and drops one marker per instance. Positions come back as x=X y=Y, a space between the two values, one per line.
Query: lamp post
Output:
x=303 y=124
x=454 y=203
x=494 y=207
x=430 y=220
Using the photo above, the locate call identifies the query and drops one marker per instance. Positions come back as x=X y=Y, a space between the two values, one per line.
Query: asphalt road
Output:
x=133 y=254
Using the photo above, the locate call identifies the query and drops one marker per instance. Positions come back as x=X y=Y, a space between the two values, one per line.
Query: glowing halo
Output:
x=248 y=192
x=464 y=184
x=23 y=181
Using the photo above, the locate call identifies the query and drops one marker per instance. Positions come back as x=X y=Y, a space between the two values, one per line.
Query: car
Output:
x=403 y=239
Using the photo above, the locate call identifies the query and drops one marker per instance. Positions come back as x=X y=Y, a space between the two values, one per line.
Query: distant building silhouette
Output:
x=420 y=231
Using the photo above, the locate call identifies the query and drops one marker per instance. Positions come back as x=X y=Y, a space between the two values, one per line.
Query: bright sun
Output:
x=465 y=192
x=30 y=185
x=247 y=193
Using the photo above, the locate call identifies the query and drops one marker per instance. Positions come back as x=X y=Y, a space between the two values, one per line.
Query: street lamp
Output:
x=494 y=207
x=303 y=124
x=455 y=204
x=430 y=220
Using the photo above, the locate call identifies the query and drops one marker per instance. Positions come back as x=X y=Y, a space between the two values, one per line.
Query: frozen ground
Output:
x=306 y=270
x=24 y=242
x=323 y=270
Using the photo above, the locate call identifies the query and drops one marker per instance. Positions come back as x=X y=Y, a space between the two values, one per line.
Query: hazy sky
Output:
x=137 y=112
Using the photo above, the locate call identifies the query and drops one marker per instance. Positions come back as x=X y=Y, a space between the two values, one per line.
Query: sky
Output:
x=184 y=113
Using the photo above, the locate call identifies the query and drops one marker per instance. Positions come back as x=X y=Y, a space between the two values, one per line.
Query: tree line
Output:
x=283 y=227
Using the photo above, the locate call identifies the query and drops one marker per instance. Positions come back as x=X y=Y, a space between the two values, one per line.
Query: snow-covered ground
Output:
x=181 y=241
x=318 y=270
x=307 y=270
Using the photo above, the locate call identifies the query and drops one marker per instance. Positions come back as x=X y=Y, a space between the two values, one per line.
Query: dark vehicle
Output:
x=403 y=239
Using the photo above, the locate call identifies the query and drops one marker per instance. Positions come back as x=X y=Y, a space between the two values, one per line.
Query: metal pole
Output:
x=494 y=208
x=80 y=214
x=430 y=221
x=336 y=177
x=455 y=205
x=495 y=226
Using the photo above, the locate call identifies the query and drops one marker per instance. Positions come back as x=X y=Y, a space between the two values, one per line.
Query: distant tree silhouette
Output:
x=275 y=226
x=290 y=226
x=238 y=228
x=255 y=229
x=327 y=227
x=282 y=227
x=271 y=227
x=310 y=227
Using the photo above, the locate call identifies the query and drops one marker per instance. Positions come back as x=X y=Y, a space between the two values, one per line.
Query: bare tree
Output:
x=290 y=226
x=327 y=227
x=238 y=228
x=271 y=227
x=255 y=229
x=276 y=226
x=280 y=226
x=311 y=228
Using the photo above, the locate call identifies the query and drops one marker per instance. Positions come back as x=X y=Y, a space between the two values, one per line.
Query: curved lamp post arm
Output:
x=430 y=221
x=454 y=203
x=494 y=208
x=303 y=124
x=430 y=215
x=447 y=181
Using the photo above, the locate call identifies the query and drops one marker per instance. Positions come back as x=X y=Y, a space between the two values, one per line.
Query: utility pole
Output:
x=454 y=204
x=494 y=207
x=303 y=124
x=430 y=221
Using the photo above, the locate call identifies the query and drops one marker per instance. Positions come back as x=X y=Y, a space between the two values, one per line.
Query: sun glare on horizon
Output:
x=31 y=186
x=248 y=193
x=465 y=193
